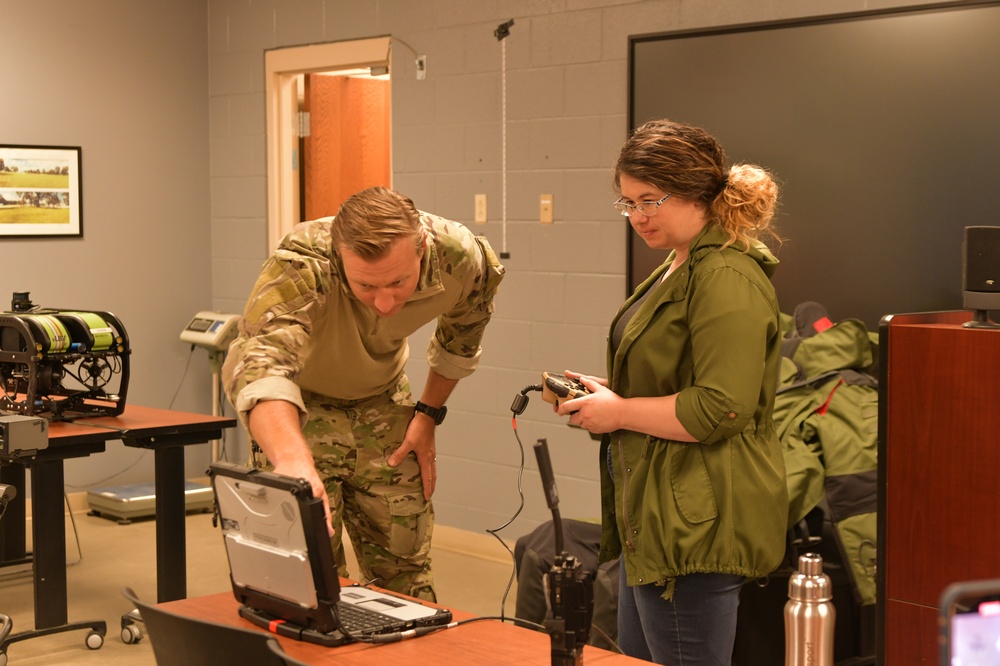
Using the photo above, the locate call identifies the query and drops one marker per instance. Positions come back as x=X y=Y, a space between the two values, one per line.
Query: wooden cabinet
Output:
x=939 y=450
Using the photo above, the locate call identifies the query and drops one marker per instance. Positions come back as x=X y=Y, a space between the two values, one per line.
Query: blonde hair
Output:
x=687 y=162
x=372 y=220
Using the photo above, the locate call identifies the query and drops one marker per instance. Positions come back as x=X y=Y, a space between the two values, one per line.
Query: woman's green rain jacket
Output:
x=710 y=333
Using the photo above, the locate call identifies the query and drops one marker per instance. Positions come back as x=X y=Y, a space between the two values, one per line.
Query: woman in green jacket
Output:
x=692 y=477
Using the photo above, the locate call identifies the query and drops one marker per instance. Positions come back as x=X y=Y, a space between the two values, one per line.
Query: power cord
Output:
x=180 y=384
x=517 y=408
x=142 y=454
x=423 y=631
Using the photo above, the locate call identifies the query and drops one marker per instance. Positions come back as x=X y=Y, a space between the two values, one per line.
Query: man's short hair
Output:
x=372 y=220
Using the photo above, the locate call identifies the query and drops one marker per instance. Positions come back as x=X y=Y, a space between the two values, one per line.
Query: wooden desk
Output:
x=484 y=642
x=164 y=431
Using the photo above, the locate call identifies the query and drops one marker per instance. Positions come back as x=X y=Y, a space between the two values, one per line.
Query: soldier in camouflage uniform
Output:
x=317 y=371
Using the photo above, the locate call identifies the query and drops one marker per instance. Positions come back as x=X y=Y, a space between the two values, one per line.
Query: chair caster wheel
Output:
x=94 y=640
x=131 y=634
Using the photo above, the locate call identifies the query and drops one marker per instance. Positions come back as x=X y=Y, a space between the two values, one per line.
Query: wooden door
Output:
x=348 y=146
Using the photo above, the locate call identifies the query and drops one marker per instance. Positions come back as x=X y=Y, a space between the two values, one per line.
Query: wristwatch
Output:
x=436 y=413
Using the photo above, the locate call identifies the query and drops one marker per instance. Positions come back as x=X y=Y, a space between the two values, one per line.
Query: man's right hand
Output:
x=274 y=426
x=307 y=471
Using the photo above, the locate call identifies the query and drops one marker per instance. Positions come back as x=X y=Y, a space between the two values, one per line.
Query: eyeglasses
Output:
x=647 y=208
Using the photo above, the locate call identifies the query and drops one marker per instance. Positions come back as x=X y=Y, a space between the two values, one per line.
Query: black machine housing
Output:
x=62 y=364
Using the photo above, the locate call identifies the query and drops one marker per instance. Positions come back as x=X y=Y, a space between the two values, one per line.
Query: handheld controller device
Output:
x=557 y=389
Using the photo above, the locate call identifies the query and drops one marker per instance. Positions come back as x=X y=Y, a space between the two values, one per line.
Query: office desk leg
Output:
x=49 y=539
x=171 y=510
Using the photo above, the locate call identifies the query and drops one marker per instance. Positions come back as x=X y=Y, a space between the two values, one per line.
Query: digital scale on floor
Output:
x=214 y=332
x=138 y=500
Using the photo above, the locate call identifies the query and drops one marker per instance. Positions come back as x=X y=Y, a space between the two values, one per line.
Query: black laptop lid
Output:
x=273 y=530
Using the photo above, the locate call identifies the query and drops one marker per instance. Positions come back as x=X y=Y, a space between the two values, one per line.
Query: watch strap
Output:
x=436 y=413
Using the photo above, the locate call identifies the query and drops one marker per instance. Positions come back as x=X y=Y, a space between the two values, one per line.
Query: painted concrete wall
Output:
x=127 y=82
x=167 y=102
x=566 y=103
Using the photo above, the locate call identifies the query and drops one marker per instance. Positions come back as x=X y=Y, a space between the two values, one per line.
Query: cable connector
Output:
x=409 y=633
x=521 y=400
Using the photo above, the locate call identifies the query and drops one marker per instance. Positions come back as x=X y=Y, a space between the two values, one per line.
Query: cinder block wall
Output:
x=566 y=104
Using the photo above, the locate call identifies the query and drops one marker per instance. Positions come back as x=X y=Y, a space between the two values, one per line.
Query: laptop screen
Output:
x=282 y=565
x=275 y=535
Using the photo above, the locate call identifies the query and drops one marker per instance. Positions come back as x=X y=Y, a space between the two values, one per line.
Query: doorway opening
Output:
x=328 y=128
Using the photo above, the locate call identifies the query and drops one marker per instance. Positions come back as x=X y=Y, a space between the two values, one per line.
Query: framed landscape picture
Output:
x=40 y=191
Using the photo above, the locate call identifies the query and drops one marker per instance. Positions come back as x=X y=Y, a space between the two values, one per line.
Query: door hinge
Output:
x=304 y=124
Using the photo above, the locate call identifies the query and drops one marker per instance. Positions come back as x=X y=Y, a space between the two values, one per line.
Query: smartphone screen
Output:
x=975 y=635
x=971 y=618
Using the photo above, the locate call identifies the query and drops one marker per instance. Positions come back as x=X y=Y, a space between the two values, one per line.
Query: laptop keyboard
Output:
x=357 y=620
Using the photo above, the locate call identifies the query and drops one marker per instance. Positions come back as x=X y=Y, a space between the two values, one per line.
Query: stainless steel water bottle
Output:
x=809 y=615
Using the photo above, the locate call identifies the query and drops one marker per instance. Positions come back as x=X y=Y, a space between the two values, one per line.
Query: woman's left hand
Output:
x=599 y=412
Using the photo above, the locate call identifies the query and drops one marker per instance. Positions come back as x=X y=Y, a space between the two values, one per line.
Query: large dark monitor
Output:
x=882 y=129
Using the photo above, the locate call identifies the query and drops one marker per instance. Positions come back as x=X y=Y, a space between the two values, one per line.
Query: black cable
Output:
x=101 y=482
x=340 y=627
x=142 y=455
x=519 y=405
x=183 y=377
x=604 y=635
x=514 y=620
x=528 y=624
x=494 y=531
x=516 y=408
x=416 y=632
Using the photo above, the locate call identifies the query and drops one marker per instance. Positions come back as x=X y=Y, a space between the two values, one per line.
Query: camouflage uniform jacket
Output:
x=303 y=328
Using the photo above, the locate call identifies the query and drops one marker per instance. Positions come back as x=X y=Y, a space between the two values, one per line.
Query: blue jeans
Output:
x=697 y=627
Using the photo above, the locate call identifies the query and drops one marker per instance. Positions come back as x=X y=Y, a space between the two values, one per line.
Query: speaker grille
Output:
x=981 y=268
x=982 y=259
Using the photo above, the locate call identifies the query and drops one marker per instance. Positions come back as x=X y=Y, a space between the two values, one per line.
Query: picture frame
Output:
x=40 y=191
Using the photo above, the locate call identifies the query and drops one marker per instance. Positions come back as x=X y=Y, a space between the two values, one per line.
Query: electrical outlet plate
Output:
x=481 y=213
x=545 y=208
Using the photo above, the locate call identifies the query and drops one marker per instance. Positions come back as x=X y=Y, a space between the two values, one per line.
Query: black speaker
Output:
x=981 y=268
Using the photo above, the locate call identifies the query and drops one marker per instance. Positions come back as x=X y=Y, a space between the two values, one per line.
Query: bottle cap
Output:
x=811 y=564
x=810 y=583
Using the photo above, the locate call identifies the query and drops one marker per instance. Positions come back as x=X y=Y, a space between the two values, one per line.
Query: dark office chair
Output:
x=275 y=647
x=6 y=624
x=178 y=639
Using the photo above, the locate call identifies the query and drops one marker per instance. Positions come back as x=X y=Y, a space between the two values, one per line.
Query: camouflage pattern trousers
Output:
x=383 y=508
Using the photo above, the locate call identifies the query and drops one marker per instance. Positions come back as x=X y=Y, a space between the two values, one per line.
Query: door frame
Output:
x=282 y=68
